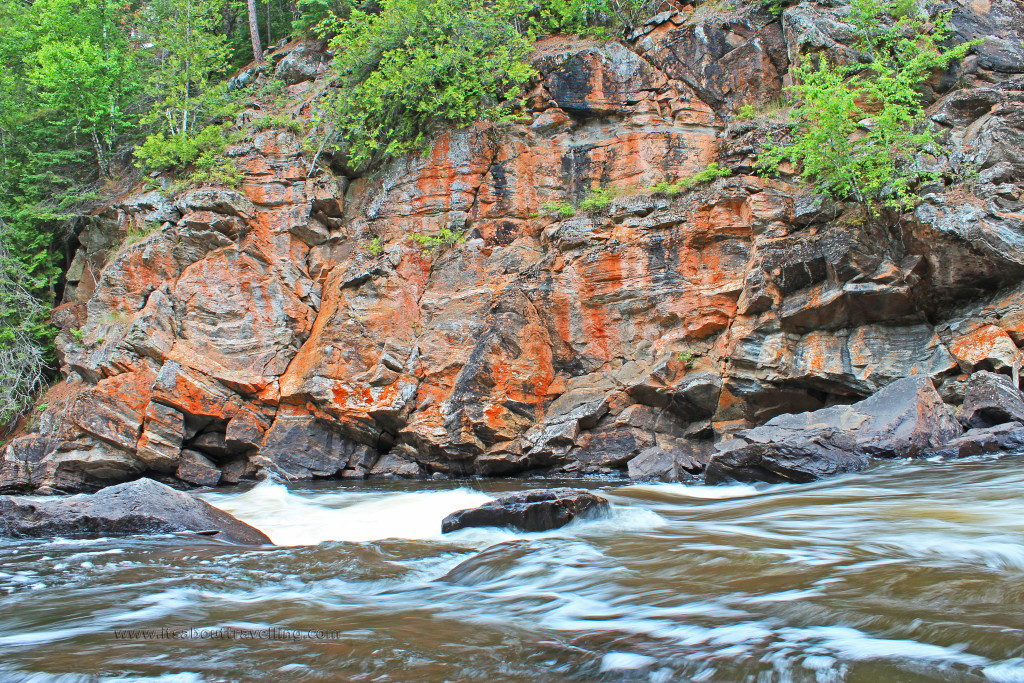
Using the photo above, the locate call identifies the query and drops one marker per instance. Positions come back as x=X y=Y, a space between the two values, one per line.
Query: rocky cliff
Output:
x=294 y=327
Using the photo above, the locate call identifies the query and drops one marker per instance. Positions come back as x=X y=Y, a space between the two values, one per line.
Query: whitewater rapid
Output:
x=292 y=518
x=912 y=571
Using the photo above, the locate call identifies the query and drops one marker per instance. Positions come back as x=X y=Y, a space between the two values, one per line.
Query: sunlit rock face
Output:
x=293 y=327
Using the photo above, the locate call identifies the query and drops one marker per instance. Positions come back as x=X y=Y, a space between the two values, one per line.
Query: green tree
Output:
x=85 y=71
x=189 y=57
x=859 y=131
x=39 y=156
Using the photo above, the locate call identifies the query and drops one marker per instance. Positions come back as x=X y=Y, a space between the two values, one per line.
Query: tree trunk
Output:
x=254 y=31
x=101 y=157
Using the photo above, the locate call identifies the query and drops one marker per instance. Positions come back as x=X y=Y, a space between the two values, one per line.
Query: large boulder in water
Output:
x=143 y=506
x=530 y=510
x=991 y=399
x=904 y=419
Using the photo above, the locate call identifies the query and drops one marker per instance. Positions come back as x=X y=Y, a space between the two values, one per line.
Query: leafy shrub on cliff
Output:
x=445 y=237
x=598 y=17
x=278 y=121
x=599 y=198
x=413 y=64
x=420 y=61
x=708 y=174
x=859 y=131
x=561 y=209
x=162 y=151
x=204 y=153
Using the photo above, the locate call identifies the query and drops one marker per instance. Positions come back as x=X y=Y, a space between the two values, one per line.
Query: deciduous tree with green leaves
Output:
x=189 y=58
x=85 y=71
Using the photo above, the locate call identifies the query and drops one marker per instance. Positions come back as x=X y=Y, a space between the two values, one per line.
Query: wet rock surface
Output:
x=530 y=511
x=143 y=506
x=255 y=327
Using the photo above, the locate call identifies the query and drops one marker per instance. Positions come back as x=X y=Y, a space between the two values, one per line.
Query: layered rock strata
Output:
x=292 y=327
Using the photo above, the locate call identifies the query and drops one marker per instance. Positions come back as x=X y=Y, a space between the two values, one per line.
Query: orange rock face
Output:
x=294 y=326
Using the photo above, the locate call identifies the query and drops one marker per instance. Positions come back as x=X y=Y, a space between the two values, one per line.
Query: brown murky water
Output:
x=909 y=572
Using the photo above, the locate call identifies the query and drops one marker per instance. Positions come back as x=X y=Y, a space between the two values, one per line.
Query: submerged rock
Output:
x=143 y=506
x=904 y=419
x=530 y=510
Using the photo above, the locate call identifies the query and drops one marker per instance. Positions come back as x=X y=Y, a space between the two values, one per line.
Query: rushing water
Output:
x=909 y=572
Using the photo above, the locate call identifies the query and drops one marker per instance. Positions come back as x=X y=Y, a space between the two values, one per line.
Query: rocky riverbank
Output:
x=292 y=327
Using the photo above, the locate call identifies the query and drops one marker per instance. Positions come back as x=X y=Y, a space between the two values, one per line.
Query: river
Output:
x=912 y=571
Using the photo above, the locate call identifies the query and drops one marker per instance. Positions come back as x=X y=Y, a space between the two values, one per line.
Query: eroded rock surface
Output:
x=1002 y=438
x=254 y=331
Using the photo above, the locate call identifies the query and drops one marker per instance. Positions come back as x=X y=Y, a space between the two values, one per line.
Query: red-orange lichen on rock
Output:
x=297 y=327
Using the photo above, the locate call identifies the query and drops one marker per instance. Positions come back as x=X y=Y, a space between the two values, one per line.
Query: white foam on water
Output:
x=182 y=677
x=293 y=519
x=625 y=661
x=47 y=636
x=851 y=644
x=13 y=676
x=308 y=519
x=995 y=552
x=701 y=491
x=818 y=662
x=1009 y=671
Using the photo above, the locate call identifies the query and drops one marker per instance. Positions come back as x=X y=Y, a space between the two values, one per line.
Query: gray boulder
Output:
x=530 y=510
x=671 y=464
x=799 y=460
x=143 y=506
x=1001 y=438
x=905 y=419
x=303 y=63
x=304 y=447
x=990 y=399
x=195 y=468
